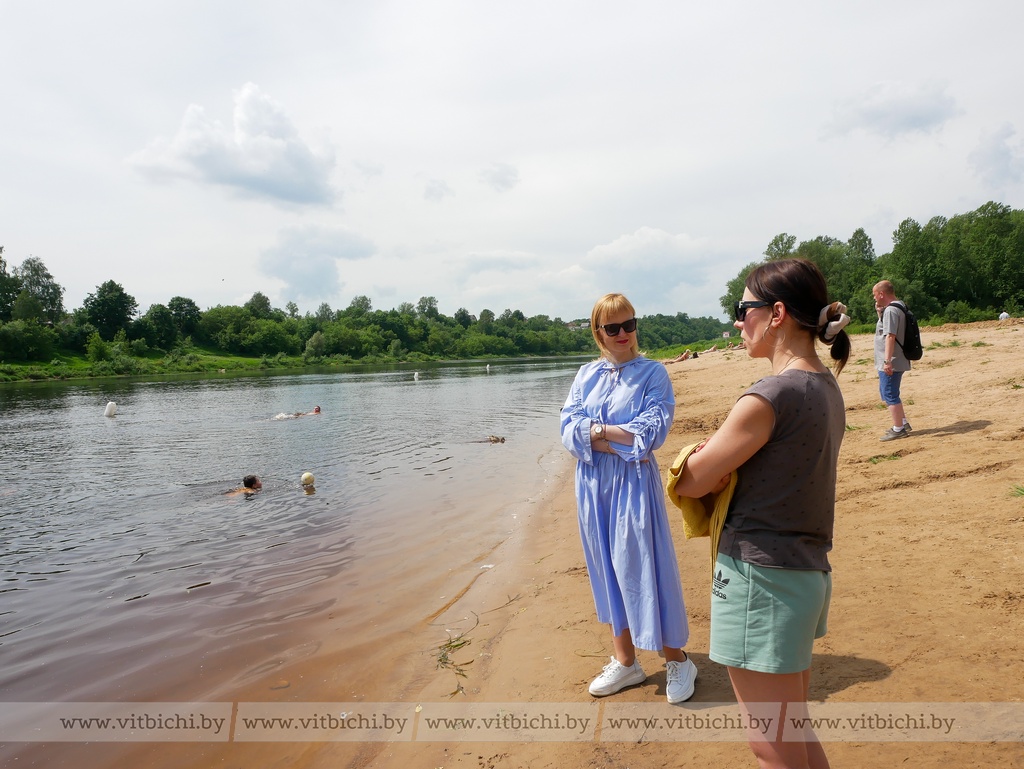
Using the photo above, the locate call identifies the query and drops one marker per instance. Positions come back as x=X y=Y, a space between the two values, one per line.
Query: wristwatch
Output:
x=598 y=430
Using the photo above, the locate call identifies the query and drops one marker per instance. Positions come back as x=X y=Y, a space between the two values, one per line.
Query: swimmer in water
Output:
x=250 y=485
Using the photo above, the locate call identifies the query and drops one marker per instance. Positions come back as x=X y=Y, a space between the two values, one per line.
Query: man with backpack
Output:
x=890 y=360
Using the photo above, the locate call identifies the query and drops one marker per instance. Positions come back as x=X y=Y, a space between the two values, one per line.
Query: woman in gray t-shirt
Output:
x=772 y=582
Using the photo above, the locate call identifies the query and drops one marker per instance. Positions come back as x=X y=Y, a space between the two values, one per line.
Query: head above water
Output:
x=252 y=482
x=316 y=410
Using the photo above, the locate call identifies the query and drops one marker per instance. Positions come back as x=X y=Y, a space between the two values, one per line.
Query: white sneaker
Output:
x=680 y=680
x=616 y=676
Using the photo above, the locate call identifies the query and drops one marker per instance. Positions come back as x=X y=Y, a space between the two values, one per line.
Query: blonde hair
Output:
x=610 y=304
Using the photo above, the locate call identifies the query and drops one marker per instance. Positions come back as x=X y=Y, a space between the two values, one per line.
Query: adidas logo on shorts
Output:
x=718 y=585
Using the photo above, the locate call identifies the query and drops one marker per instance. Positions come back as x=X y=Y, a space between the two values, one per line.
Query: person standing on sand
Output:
x=772 y=580
x=618 y=412
x=890 y=361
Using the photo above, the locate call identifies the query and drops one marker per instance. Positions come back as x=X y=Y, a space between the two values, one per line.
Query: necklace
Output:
x=792 y=360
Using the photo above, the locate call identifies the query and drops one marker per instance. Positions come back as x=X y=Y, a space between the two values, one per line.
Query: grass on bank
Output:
x=193 y=359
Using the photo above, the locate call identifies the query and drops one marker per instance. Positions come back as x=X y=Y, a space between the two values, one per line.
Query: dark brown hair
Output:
x=800 y=285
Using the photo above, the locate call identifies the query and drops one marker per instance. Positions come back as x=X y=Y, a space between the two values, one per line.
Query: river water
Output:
x=126 y=568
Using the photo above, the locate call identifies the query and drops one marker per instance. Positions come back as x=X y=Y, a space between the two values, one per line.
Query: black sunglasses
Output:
x=740 y=310
x=612 y=329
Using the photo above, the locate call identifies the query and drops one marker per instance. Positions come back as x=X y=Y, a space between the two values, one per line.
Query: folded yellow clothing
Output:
x=696 y=521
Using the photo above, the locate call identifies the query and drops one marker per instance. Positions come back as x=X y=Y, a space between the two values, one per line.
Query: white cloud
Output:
x=654 y=269
x=500 y=176
x=437 y=190
x=306 y=260
x=492 y=156
x=893 y=109
x=262 y=157
x=995 y=160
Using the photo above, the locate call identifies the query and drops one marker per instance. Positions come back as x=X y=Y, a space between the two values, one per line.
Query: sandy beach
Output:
x=928 y=603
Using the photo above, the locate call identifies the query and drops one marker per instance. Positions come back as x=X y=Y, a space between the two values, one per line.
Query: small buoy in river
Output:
x=307 y=479
x=110 y=410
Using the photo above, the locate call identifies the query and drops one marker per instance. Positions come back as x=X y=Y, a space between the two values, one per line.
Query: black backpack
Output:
x=911 y=344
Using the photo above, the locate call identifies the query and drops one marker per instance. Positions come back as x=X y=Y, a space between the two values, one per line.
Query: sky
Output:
x=494 y=155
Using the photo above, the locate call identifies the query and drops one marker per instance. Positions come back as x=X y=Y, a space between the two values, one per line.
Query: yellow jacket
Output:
x=696 y=521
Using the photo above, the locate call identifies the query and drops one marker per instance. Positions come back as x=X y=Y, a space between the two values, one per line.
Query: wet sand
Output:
x=927 y=604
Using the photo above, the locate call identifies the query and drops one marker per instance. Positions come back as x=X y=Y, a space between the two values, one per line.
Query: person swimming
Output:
x=250 y=485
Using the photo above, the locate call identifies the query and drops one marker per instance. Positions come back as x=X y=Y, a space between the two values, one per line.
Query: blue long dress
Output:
x=623 y=522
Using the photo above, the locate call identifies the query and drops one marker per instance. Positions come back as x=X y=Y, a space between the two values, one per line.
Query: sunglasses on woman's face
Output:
x=740 y=311
x=612 y=329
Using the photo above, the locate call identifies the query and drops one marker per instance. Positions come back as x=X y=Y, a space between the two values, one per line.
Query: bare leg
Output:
x=790 y=691
x=897 y=414
x=673 y=655
x=625 y=652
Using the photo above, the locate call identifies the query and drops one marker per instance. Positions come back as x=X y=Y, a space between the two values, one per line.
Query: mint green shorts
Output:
x=766 y=619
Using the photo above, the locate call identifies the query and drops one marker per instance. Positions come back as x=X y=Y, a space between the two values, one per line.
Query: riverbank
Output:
x=927 y=605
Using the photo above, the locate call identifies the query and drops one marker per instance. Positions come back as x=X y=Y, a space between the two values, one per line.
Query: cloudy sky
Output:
x=530 y=155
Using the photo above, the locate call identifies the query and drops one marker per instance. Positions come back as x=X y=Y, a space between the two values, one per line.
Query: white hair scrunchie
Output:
x=834 y=327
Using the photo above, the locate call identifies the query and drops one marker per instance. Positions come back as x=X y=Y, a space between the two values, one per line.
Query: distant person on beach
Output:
x=685 y=355
x=890 y=362
x=1004 y=315
x=618 y=412
x=772 y=579
x=250 y=485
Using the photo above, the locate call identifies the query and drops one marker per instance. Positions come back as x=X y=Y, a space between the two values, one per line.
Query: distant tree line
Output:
x=965 y=268
x=107 y=328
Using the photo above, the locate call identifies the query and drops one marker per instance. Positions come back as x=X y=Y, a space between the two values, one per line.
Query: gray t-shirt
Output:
x=783 y=509
x=893 y=321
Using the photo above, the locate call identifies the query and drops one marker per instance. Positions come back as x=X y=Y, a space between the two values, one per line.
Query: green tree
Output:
x=110 y=309
x=223 y=326
x=324 y=314
x=27 y=340
x=426 y=307
x=292 y=309
x=486 y=321
x=97 y=349
x=10 y=287
x=27 y=307
x=734 y=289
x=316 y=346
x=259 y=306
x=38 y=281
x=186 y=315
x=781 y=247
x=161 y=327
x=463 y=318
x=358 y=307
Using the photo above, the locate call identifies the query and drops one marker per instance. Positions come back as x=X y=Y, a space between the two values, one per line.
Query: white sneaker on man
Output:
x=680 y=680
x=617 y=676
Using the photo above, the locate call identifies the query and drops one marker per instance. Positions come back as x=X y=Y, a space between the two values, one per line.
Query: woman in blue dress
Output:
x=618 y=412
